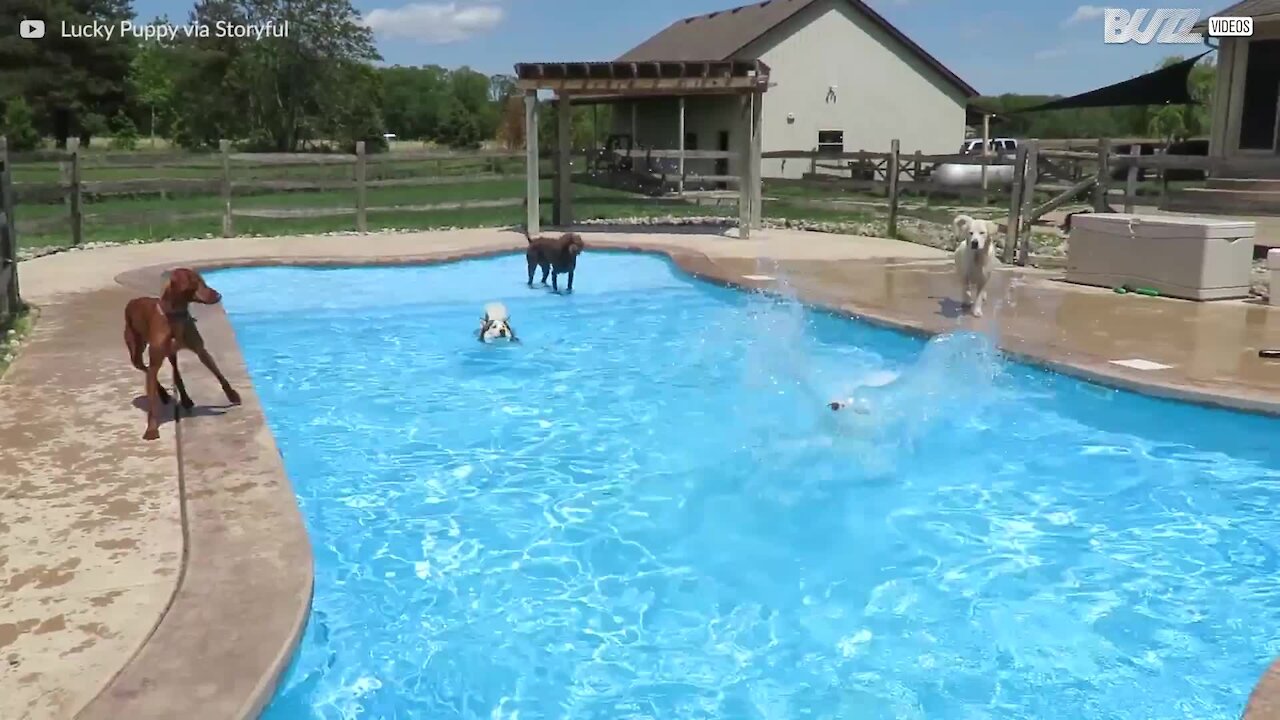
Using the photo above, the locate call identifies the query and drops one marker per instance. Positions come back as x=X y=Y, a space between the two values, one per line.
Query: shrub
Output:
x=18 y=126
x=124 y=134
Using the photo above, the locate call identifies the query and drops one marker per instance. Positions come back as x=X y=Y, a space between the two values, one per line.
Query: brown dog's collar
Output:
x=179 y=316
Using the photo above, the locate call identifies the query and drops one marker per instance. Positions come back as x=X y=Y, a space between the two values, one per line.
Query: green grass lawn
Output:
x=13 y=330
x=151 y=218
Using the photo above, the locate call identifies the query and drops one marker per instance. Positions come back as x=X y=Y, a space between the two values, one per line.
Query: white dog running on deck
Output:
x=496 y=324
x=975 y=257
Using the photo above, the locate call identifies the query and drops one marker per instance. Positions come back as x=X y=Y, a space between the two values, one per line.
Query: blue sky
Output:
x=1026 y=46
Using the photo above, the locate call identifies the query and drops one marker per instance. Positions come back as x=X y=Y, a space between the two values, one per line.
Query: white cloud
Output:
x=1084 y=13
x=1052 y=53
x=435 y=23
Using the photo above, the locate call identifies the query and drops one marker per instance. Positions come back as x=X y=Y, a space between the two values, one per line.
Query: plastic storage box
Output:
x=1195 y=258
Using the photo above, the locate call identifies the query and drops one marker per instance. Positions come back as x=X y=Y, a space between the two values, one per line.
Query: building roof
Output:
x=1252 y=8
x=720 y=35
x=1268 y=9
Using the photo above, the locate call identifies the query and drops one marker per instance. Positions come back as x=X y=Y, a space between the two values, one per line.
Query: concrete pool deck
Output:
x=140 y=578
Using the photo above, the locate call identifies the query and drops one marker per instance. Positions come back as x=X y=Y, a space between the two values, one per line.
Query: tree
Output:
x=272 y=93
x=460 y=130
x=18 y=126
x=471 y=90
x=1169 y=123
x=413 y=100
x=151 y=80
x=354 y=113
x=511 y=127
x=63 y=78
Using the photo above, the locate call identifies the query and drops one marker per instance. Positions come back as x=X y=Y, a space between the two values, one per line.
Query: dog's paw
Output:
x=233 y=397
x=151 y=434
x=188 y=404
x=977 y=312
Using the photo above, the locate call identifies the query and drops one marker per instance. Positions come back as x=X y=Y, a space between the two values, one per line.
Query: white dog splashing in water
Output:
x=953 y=374
x=496 y=324
x=975 y=257
x=857 y=402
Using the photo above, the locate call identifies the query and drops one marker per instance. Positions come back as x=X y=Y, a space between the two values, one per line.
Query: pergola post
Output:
x=562 y=204
x=757 y=148
x=986 y=142
x=533 y=219
x=746 y=144
x=681 y=146
x=635 y=141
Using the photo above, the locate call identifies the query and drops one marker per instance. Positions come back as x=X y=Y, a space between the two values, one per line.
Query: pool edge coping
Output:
x=1263 y=701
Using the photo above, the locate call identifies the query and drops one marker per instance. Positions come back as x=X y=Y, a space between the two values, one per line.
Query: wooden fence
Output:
x=1035 y=181
x=229 y=175
x=1043 y=179
x=10 y=301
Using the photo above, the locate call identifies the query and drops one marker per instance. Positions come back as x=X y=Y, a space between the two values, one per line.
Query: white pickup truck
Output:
x=996 y=146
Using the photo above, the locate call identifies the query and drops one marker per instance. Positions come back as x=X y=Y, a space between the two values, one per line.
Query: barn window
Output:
x=830 y=141
x=691 y=141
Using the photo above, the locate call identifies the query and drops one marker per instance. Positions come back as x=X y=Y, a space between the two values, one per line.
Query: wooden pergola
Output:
x=599 y=82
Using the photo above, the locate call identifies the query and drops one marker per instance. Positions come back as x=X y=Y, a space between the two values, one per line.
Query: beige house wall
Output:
x=881 y=92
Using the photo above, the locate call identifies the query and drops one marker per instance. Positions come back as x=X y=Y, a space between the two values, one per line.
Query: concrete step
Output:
x=1236 y=170
x=1218 y=201
x=1254 y=184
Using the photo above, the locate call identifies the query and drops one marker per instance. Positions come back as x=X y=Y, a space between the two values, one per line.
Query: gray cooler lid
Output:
x=1165 y=226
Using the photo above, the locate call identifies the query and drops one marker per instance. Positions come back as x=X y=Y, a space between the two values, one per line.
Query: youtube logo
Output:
x=31 y=29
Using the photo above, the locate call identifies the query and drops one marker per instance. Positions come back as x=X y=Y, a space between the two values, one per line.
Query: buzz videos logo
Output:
x=31 y=29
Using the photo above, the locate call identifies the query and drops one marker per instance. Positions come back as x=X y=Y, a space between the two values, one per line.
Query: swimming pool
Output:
x=645 y=511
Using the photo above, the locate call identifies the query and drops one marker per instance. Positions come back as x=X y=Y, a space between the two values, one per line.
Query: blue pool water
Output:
x=646 y=511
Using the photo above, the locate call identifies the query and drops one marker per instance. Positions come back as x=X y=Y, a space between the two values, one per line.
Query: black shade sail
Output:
x=1166 y=86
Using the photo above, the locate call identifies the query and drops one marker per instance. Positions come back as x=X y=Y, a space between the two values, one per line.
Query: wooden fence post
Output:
x=362 y=205
x=1131 y=180
x=1164 y=187
x=73 y=190
x=228 y=227
x=1030 y=174
x=9 y=248
x=1104 y=175
x=894 y=146
x=813 y=162
x=680 y=159
x=1015 y=206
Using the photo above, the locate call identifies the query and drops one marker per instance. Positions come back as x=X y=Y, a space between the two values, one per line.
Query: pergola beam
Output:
x=641 y=85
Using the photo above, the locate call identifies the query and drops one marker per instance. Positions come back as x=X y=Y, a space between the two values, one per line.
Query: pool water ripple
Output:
x=646 y=511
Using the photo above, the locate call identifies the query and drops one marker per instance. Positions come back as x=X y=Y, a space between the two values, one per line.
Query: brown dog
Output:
x=554 y=256
x=164 y=326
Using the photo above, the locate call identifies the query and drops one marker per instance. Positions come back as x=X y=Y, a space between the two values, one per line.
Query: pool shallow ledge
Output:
x=242 y=602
